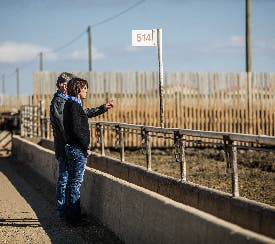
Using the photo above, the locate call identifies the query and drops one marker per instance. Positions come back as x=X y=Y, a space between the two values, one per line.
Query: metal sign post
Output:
x=161 y=91
x=152 y=38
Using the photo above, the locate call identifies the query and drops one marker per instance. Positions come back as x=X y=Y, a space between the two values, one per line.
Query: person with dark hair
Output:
x=75 y=121
x=56 y=118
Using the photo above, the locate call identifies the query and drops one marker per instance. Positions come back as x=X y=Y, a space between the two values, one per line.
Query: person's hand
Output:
x=109 y=104
x=89 y=152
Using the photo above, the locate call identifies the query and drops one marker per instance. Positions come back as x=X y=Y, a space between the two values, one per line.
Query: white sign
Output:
x=144 y=37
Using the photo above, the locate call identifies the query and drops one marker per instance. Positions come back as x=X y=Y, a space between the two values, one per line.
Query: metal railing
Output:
x=229 y=142
x=29 y=117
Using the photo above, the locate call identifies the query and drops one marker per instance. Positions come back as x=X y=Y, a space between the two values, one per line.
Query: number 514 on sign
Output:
x=144 y=37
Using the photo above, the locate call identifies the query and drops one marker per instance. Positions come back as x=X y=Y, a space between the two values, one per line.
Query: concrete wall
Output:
x=248 y=214
x=136 y=214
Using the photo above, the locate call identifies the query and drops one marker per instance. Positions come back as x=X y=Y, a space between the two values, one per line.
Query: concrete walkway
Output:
x=27 y=212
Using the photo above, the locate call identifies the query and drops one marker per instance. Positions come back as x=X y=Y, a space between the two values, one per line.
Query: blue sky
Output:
x=198 y=35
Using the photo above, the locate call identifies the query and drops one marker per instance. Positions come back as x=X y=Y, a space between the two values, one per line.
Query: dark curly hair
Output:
x=75 y=85
x=64 y=77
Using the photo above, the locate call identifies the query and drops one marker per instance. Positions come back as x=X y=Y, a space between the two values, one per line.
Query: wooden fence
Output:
x=12 y=103
x=221 y=102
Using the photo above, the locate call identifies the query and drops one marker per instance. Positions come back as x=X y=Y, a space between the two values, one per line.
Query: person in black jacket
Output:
x=75 y=121
x=56 y=117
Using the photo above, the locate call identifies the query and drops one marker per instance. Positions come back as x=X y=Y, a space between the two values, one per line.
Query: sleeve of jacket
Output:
x=56 y=117
x=77 y=127
x=93 y=112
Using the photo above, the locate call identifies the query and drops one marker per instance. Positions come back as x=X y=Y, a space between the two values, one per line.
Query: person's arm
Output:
x=56 y=117
x=93 y=112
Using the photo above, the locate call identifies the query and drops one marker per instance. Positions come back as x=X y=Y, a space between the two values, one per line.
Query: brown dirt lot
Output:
x=207 y=167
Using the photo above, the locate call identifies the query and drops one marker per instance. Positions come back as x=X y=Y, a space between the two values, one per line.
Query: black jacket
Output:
x=75 y=121
x=56 y=117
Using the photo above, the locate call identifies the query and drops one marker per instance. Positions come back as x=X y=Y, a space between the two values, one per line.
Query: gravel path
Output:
x=27 y=212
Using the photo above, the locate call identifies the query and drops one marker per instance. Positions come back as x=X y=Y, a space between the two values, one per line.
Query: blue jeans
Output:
x=61 y=185
x=77 y=161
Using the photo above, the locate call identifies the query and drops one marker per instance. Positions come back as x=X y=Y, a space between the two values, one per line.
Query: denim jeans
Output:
x=77 y=160
x=61 y=185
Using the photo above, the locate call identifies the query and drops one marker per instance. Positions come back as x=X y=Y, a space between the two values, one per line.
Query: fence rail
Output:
x=230 y=142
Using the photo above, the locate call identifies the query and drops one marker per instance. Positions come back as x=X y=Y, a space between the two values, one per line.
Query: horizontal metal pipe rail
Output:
x=229 y=143
x=259 y=139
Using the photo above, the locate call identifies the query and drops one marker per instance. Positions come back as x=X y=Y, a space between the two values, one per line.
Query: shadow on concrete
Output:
x=40 y=195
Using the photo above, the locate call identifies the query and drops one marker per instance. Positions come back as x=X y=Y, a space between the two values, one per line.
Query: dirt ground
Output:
x=207 y=167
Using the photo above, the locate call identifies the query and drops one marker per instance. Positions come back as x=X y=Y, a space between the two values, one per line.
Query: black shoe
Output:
x=79 y=223
x=83 y=216
x=61 y=214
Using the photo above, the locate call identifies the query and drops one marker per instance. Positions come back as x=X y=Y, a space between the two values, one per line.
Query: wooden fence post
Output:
x=42 y=119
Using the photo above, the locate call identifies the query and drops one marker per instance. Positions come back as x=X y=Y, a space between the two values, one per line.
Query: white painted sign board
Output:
x=144 y=37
